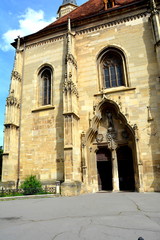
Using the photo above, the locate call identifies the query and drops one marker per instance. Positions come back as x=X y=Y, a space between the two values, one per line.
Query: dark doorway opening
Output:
x=125 y=169
x=104 y=168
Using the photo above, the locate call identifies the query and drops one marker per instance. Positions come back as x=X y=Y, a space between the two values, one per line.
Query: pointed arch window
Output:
x=46 y=86
x=113 y=69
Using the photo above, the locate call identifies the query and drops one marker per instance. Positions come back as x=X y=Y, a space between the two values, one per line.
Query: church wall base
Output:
x=73 y=188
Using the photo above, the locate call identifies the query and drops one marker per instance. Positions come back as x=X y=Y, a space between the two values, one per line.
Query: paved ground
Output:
x=100 y=216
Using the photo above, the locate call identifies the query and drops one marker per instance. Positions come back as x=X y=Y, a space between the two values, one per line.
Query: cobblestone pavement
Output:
x=99 y=216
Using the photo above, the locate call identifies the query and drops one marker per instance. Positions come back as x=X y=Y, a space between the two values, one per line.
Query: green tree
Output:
x=31 y=186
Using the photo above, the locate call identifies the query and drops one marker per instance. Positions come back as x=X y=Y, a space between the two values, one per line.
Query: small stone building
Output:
x=84 y=100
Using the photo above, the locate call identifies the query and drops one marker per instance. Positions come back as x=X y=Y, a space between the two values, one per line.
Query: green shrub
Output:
x=31 y=186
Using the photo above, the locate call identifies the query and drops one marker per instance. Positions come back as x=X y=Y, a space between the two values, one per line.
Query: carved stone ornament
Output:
x=153 y=7
x=12 y=101
x=111 y=133
x=16 y=75
x=71 y=58
x=111 y=142
x=99 y=138
x=69 y=86
x=135 y=127
x=83 y=139
x=94 y=109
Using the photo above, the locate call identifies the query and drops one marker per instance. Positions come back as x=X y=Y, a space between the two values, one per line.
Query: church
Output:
x=84 y=100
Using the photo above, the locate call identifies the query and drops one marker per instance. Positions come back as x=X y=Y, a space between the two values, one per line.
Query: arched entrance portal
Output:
x=115 y=143
x=111 y=156
x=104 y=168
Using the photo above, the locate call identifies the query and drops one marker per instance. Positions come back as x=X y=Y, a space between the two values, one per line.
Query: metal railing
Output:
x=17 y=192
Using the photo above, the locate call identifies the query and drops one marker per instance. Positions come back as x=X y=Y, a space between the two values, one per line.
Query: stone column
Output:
x=115 y=176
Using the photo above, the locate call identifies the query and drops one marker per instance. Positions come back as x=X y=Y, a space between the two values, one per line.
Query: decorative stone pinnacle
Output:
x=153 y=7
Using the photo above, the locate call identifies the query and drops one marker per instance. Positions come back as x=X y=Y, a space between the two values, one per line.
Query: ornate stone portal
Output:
x=113 y=135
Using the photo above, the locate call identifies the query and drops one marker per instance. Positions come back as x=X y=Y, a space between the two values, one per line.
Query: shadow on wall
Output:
x=153 y=113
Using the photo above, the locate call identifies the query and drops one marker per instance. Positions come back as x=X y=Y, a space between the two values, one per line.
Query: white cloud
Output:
x=32 y=21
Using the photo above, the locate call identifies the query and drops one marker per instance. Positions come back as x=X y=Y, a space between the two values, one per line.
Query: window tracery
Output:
x=46 y=86
x=112 y=67
x=113 y=70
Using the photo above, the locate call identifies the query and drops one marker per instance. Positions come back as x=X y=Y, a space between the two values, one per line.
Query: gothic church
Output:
x=84 y=100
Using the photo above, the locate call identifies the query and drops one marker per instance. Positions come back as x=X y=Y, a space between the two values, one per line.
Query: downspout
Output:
x=20 y=118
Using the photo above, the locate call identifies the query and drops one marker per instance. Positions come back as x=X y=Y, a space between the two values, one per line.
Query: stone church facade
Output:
x=83 y=106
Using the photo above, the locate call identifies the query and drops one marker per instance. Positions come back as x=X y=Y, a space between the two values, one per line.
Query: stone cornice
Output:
x=68 y=114
x=45 y=41
x=113 y=23
x=5 y=154
x=89 y=29
x=11 y=125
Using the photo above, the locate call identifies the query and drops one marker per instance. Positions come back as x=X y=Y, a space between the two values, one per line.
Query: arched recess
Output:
x=110 y=131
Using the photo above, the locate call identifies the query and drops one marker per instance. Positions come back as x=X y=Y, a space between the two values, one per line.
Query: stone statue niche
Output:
x=112 y=127
x=110 y=121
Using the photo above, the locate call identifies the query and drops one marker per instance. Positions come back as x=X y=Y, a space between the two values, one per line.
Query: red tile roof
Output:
x=89 y=8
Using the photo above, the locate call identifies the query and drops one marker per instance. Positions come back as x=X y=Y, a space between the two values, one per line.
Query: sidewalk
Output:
x=100 y=216
x=29 y=196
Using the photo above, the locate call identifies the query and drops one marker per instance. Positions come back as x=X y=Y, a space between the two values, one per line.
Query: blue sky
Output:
x=19 y=17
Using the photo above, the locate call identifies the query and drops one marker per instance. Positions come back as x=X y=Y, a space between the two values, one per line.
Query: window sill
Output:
x=114 y=90
x=43 y=108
